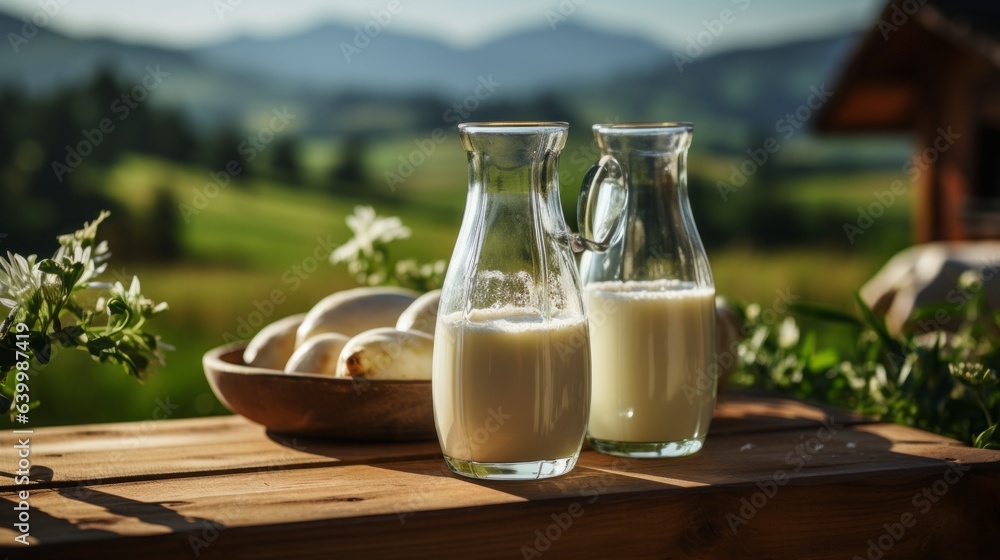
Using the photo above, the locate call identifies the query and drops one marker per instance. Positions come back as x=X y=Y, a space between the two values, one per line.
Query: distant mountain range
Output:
x=597 y=74
x=328 y=58
x=337 y=57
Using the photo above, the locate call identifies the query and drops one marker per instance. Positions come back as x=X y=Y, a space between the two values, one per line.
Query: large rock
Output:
x=928 y=274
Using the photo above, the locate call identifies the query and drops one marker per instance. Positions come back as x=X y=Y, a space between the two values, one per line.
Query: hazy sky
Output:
x=458 y=22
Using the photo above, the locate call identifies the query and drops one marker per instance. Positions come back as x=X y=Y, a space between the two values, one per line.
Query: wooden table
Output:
x=777 y=478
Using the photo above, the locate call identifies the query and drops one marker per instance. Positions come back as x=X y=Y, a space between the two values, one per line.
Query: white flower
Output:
x=410 y=268
x=970 y=280
x=81 y=247
x=369 y=229
x=133 y=299
x=407 y=267
x=94 y=259
x=788 y=333
x=20 y=279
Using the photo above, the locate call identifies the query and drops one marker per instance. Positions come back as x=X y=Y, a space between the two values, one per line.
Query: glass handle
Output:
x=601 y=207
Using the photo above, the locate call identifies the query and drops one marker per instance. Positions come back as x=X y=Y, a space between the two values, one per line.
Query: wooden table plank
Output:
x=375 y=507
x=172 y=448
x=776 y=478
x=108 y=453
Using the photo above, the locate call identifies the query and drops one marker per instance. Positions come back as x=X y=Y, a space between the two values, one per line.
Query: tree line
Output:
x=55 y=148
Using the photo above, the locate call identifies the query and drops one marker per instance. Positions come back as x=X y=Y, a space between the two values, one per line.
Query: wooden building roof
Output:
x=899 y=61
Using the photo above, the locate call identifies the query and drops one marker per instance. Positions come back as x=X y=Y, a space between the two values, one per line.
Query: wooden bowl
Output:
x=317 y=405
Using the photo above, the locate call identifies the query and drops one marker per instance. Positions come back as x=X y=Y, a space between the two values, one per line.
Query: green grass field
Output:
x=256 y=237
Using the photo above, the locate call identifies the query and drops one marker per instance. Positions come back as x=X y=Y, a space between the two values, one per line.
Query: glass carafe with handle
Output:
x=511 y=375
x=651 y=303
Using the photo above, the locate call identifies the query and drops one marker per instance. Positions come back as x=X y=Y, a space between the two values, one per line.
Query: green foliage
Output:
x=782 y=207
x=944 y=382
x=55 y=147
x=48 y=312
x=285 y=160
x=350 y=176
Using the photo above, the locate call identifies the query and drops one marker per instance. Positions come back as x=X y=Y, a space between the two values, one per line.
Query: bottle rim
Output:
x=513 y=127
x=663 y=127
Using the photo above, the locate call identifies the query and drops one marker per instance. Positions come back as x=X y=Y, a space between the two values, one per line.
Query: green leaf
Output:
x=99 y=345
x=825 y=313
x=824 y=360
x=116 y=306
x=873 y=321
x=808 y=347
x=150 y=340
x=69 y=336
x=50 y=266
x=8 y=357
x=127 y=363
x=905 y=369
x=140 y=362
x=891 y=346
x=7 y=392
x=72 y=275
x=41 y=347
x=929 y=311
x=985 y=438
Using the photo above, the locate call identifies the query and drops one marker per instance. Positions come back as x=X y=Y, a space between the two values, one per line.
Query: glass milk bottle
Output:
x=651 y=304
x=511 y=375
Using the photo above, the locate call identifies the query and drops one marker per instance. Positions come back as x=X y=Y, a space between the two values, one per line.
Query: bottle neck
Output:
x=513 y=159
x=499 y=174
x=654 y=160
x=660 y=240
x=511 y=252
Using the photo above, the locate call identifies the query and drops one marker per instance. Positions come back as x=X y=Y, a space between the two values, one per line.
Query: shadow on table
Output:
x=734 y=462
x=151 y=513
x=751 y=439
x=53 y=525
x=747 y=432
x=736 y=413
x=754 y=442
x=355 y=452
x=740 y=448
